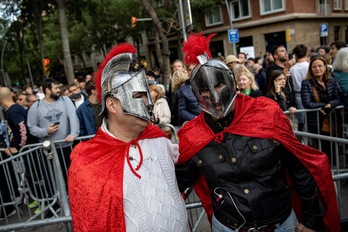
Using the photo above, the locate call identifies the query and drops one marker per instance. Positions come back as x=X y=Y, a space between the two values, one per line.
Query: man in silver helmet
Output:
x=240 y=154
x=124 y=178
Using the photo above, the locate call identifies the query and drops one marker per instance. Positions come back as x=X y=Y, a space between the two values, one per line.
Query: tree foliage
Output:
x=93 y=25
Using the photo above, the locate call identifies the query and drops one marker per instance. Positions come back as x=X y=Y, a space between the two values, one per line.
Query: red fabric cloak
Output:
x=262 y=118
x=95 y=181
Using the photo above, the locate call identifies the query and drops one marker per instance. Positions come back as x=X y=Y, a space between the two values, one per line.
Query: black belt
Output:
x=234 y=226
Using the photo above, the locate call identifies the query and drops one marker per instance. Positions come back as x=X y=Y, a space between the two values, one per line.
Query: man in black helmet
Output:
x=239 y=154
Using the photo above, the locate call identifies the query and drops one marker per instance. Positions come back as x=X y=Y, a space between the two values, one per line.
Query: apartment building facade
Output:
x=261 y=24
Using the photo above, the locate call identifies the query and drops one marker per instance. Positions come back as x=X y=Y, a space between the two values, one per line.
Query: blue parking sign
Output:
x=233 y=36
x=324 y=29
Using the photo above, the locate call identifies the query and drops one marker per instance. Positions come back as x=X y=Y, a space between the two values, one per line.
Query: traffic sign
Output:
x=324 y=29
x=233 y=36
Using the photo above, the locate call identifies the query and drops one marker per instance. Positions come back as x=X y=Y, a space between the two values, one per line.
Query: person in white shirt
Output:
x=298 y=72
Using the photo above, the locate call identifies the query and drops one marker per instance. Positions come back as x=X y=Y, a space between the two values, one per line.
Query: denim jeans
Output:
x=298 y=100
x=289 y=225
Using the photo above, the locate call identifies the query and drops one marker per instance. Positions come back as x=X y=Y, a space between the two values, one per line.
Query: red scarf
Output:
x=262 y=118
x=95 y=181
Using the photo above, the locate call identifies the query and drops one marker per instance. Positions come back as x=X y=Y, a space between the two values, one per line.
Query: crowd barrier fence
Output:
x=38 y=174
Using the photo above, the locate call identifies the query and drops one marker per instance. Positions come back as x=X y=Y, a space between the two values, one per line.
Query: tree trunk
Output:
x=158 y=51
x=68 y=67
x=165 y=45
x=38 y=21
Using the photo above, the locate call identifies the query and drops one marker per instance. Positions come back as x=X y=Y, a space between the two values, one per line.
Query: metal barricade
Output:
x=34 y=176
x=195 y=211
x=38 y=173
x=171 y=132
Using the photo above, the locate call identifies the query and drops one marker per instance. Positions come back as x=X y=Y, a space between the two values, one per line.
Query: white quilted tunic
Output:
x=153 y=202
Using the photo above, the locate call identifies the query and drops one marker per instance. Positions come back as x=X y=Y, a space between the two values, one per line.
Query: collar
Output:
x=219 y=124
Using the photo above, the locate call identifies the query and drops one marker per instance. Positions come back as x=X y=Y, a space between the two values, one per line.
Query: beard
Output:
x=54 y=96
x=283 y=59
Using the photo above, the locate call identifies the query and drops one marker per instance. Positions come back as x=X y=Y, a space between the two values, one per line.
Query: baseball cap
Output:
x=231 y=58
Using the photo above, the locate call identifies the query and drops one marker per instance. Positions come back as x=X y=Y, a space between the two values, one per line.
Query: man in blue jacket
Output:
x=89 y=110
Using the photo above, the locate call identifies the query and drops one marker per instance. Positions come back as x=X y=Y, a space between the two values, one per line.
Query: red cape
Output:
x=262 y=118
x=95 y=181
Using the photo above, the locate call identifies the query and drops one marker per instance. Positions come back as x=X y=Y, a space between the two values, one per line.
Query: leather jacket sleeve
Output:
x=307 y=190
x=186 y=175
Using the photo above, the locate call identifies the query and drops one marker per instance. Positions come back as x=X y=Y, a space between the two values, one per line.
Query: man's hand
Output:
x=301 y=228
x=292 y=110
x=52 y=129
x=10 y=151
x=70 y=138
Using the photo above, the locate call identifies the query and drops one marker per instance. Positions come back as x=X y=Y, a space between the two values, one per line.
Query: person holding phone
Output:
x=278 y=91
x=54 y=118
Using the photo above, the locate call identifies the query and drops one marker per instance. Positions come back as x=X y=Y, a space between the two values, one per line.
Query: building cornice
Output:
x=276 y=19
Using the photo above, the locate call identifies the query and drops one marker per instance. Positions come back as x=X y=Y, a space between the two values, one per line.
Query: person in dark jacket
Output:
x=16 y=117
x=319 y=90
x=188 y=104
x=236 y=152
x=88 y=112
x=260 y=75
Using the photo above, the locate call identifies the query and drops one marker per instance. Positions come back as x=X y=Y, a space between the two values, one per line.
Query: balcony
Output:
x=324 y=10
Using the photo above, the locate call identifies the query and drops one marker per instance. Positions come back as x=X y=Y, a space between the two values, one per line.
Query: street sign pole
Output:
x=234 y=50
x=181 y=11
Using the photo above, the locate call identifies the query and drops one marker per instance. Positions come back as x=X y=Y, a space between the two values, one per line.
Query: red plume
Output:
x=196 y=45
x=118 y=49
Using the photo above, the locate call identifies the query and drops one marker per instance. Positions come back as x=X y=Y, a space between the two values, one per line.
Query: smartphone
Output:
x=56 y=123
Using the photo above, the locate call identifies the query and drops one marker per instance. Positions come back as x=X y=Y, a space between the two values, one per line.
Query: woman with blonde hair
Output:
x=178 y=80
x=340 y=67
x=246 y=81
x=161 y=111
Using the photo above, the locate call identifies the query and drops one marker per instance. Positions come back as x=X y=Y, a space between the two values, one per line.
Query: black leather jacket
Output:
x=248 y=174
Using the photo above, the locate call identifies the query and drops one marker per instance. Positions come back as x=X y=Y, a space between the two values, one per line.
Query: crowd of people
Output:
x=221 y=153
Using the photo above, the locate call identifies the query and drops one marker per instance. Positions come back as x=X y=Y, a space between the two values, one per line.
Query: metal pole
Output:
x=2 y=62
x=234 y=50
x=29 y=69
x=183 y=24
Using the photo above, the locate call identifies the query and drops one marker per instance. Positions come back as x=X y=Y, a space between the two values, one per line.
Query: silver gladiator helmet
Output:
x=121 y=80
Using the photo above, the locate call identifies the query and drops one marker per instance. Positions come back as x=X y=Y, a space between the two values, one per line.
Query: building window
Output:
x=337 y=5
x=213 y=16
x=271 y=6
x=240 y=9
x=337 y=33
x=324 y=8
x=346 y=4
